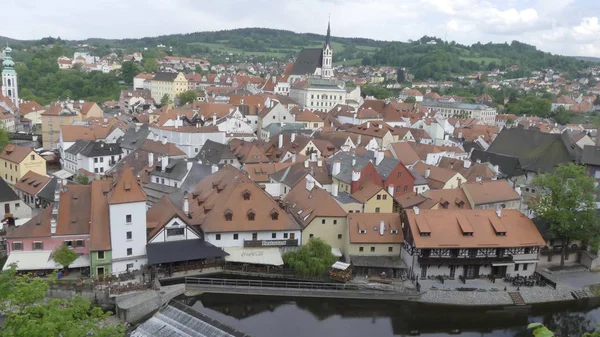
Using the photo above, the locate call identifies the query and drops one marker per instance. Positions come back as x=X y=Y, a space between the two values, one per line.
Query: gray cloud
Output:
x=552 y=25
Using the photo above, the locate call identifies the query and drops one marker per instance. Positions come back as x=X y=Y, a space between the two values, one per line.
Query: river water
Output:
x=299 y=317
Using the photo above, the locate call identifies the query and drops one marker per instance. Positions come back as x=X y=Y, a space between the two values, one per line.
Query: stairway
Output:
x=516 y=298
x=579 y=294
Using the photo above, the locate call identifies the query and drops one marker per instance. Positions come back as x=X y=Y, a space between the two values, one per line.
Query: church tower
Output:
x=9 y=78
x=327 y=65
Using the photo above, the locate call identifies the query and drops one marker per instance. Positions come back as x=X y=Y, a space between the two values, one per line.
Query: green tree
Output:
x=187 y=97
x=150 y=65
x=82 y=179
x=129 y=70
x=165 y=99
x=3 y=138
x=64 y=256
x=410 y=99
x=400 y=75
x=561 y=115
x=313 y=259
x=567 y=204
x=539 y=330
x=29 y=313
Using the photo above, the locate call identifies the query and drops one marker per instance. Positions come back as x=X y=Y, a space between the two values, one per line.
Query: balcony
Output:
x=558 y=250
x=270 y=243
x=464 y=260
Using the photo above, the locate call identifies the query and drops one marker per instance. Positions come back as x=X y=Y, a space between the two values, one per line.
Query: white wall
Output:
x=162 y=235
x=228 y=241
x=23 y=211
x=188 y=142
x=118 y=238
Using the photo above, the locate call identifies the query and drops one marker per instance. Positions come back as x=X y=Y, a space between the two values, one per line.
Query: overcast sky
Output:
x=569 y=27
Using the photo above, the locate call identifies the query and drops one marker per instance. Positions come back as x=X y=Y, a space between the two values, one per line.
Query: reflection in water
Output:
x=278 y=316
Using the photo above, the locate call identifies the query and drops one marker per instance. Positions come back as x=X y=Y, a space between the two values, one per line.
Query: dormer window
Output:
x=251 y=214
x=246 y=195
x=362 y=231
x=394 y=231
x=228 y=215
x=274 y=214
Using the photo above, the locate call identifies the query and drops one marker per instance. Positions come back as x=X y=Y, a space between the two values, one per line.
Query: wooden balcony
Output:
x=558 y=250
x=463 y=260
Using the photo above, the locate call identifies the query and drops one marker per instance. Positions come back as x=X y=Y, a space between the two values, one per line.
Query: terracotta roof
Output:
x=157 y=147
x=487 y=192
x=127 y=189
x=445 y=199
x=260 y=172
x=145 y=76
x=438 y=176
x=308 y=116
x=36 y=227
x=222 y=194
x=74 y=210
x=31 y=106
x=100 y=220
x=305 y=205
x=161 y=212
x=405 y=152
x=31 y=183
x=366 y=192
x=445 y=230
x=471 y=173
x=15 y=153
x=248 y=152
x=71 y=133
x=373 y=129
x=366 y=228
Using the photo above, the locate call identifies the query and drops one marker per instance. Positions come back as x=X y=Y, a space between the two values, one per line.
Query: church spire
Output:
x=328 y=31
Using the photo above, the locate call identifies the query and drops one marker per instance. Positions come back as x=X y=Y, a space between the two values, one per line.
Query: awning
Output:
x=527 y=261
x=182 y=250
x=502 y=264
x=63 y=174
x=268 y=255
x=32 y=260
x=336 y=251
x=82 y=261
x=340 y=265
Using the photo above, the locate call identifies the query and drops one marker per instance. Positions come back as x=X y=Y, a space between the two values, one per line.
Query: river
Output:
x=299 y=317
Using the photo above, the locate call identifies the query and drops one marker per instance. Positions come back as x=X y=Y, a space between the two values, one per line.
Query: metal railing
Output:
x=269 y=284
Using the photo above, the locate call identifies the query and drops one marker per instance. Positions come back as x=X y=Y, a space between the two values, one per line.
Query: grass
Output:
x=224 y=48
x=595 y=289
x=487 y=60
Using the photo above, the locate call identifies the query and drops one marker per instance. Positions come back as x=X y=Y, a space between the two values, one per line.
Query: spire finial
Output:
x=328 y=37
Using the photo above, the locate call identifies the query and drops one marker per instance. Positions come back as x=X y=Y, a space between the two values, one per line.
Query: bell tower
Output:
x=327 y=66
x=9 y=78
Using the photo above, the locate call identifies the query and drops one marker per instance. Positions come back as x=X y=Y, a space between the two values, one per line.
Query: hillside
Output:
x=427 y=57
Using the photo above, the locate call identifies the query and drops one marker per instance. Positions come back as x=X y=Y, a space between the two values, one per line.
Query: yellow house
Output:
x=318 y=213
x=374 y=242
x=16 y=161
x=375 y=199
x=439 y=177
x=65 y=113
x=170 y=84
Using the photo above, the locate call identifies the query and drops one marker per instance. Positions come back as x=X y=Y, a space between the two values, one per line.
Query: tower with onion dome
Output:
x=9 y=78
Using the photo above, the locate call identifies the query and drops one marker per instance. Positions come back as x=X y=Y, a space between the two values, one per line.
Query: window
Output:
x=236 y=236
x=527 y=250
x=361 y=249
x=251 y=215
x=292 y=236
x=38 y=245
x=377 y=209
x=17 y=205
x=384 y=197
x=95 y=160
x=17 y=246
x=69 y=244
x=516 y=267
x=310 y=236
x=217 y=237
x=273 y=235
x=129 y=266
x=323 y=221
x=399 y=174
x=372 y=249
x=378 y=197
x=285 y=235
x=129 y=251
x=339 y=236
x=79 y=243
x=100 y=255
x=102 y=159
x=525 y=266
x=128 y=218
x=174 y=231
x=254 y=236
x=390 y=249
x=228 y=216
x=95 y=170
x=405 y=188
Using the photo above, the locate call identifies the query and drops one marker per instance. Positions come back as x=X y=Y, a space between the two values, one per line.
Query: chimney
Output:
x=478 y=178
x=427 y=172
x=150 y=159
x=189 y=165
x=390 y=190
x=460 y=135
x=280 y=140
x=335 y=189
x=164 y=141
x=518 y=190
x=293 y=157
x=313 y=157
x=382 y=227
x=319 y=163
x=379 y=157
x=293 y=137
x=355 y=175
x=368 y=125
x=353 y=162
x=214 y=169
x=310 y=184
x=186 y=203
x=306 y=163
x=499 y=212
x=214 y=118
x=336 y=168
x=466 y=164
x=416 y=210
x=164 y=161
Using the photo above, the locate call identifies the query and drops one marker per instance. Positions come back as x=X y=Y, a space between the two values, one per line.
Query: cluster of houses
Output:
x=88 y=62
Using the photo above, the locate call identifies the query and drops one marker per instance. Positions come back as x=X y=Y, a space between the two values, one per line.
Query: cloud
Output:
x=559 y=26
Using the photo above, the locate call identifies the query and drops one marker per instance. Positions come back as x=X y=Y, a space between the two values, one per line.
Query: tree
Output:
x=567 y=204
x=3 y=138
x=150 y=65
x=165 y=99
x=597 y=100
x=29 y=313
x=400 y=75
x=64 y=256
x=313 y=259
x=410 y=99
x=561 y=115
x=82 y=179
x=187 y=97
x=129 y=70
